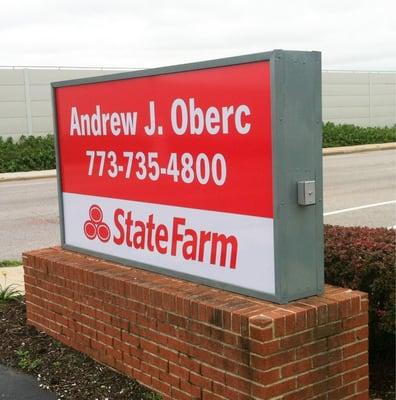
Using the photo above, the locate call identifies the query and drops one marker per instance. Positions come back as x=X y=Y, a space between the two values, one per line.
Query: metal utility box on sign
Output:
x=210 y=172
x=306 y=193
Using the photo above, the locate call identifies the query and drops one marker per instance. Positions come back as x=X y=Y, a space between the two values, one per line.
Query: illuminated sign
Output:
x=181 y=170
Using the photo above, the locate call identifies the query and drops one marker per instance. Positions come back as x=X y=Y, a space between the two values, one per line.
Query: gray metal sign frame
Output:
x=296 y=113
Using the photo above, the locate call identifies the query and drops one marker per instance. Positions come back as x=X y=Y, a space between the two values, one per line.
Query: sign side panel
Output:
x=298 y=157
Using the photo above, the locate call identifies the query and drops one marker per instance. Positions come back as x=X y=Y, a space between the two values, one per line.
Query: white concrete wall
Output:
x=361 y=98
x=25 y=98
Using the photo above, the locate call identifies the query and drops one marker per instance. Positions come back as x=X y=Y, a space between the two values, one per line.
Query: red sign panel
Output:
x=197 y=139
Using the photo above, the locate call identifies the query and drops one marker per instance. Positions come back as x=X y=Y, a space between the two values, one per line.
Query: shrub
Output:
x=29 y=153
x=10 y=263
x=350 y=135
x=363 y=258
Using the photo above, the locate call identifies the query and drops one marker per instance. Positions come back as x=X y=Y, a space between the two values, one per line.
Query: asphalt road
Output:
x=14 y=385
x=356 y=186
x=29 y=209
x=28 y=216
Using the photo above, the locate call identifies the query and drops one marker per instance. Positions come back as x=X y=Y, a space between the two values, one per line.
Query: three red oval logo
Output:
x=95 y=227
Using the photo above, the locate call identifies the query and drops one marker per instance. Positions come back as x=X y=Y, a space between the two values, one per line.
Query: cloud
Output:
x=351 y=34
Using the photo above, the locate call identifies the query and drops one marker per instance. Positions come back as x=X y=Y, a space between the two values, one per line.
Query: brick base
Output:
x=189 y=341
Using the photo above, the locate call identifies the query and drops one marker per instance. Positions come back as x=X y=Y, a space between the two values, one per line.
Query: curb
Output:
x=51 y=173
x=20 y=176
x=329 y=151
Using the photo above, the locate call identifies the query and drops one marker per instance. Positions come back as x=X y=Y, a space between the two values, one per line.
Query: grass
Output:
x=8 y=293
x=10 y=263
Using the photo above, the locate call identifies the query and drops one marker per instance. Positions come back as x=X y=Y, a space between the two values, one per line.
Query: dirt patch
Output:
x=58 y=368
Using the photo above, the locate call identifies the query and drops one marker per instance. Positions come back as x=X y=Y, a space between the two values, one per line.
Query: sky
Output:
x=351 y=34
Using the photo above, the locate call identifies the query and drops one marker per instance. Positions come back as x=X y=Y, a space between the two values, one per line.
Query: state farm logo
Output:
x=176 y=238
x=95 y=227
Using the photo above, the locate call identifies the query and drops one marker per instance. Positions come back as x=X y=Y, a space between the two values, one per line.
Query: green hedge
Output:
x=364 y=259
x=27 y=154
x=350 y=135
x=37 y=153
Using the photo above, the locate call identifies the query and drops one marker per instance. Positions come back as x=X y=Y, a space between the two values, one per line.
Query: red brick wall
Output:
x=189 y=341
